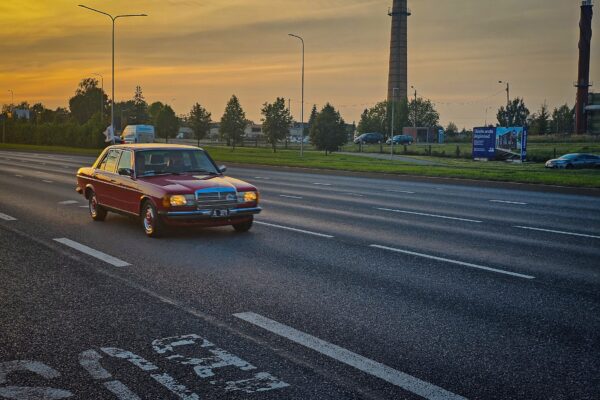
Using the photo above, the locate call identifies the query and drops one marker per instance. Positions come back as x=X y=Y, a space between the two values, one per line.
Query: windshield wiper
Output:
x=202 y=171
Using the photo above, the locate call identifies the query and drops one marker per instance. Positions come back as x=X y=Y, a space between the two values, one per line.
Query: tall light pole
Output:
x=507 y=99
x=302 y=123
x=415 y=107
x=113 y=19
x=393 y=120
x=101 y=97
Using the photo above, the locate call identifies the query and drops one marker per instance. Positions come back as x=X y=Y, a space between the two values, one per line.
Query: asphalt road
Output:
x=347 y=287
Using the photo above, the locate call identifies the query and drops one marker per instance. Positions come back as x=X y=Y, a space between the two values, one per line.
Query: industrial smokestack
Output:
x=398 y=76
x=583 y=80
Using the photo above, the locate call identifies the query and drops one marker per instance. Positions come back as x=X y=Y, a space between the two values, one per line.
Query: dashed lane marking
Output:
x=46 y=181
x=19 y=176
x=374 y=368
x=447 y=260
x=287 y=228
x=559 y=232
x=429 y=215
x=94 y=253
x=68 y=202
x=322 y=184
x=399 y=191
x=7 y=217
x=508 y=202
x=291 y=197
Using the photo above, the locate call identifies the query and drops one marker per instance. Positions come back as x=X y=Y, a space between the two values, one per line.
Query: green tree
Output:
x=540 y=121
x=423 y=113
x=311 y=120
x=233 y=122
x=563 y=119
x=199 y=121
x=451 y=129
x=276 y=121
x=140 y=107
x=329 y=130
x=167 y=122
x=515 y=114
x=87 y=100
x=379 y=117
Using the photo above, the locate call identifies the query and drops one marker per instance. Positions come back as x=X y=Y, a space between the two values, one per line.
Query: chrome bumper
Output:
x=208 y=214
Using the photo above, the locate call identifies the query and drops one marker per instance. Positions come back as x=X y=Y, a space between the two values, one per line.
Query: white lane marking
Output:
x=19 y=176
x=354 y=194
x=293 y=229
x=291 y=197
x=559 y=232
x=261 y=177
x=322 y=184
x=94 y=253
x=68 y=202
x=83 y=206
x=381 y=371
x=45 y=181
x=429 y=215
x=400 y=191
x=7 y=217
x=508 y=202
x=464 y=264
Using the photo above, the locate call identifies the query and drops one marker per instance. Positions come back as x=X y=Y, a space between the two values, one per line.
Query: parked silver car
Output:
x=575 y=160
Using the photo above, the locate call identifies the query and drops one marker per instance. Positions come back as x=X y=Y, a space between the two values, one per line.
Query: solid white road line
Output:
x=7 y=217
x=68 y=202
x=559 y=232
x=381 y=371
x=322 y=184
x=464 y=264
x=94 y=253
x=293 y=229
x=508 y=202
x=429 y=215
x=291 y=197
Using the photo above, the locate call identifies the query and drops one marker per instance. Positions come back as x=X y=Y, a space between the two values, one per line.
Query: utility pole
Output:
x=393 y=121
x=507 y=92
x=415 y=108
x=302 y=141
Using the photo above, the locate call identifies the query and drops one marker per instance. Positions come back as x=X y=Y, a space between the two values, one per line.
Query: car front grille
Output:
x=207 y=199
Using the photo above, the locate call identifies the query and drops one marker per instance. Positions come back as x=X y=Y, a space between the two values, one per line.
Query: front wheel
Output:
x=97 y=212
x=244 y=226
x=151 y=220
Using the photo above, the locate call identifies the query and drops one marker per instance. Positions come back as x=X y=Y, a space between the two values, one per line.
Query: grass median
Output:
x=447 y=168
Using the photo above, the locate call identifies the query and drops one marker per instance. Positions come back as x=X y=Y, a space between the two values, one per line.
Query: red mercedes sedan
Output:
x=166 y=185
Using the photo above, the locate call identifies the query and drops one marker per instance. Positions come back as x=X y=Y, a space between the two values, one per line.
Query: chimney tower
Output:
x=398 y=75
x=583 y=80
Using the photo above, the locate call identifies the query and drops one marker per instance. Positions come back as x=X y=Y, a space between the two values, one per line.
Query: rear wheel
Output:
x=97 y=212
x=244 y=226
x=151 y=220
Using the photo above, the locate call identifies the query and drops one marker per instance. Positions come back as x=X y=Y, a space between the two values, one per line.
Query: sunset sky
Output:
x=189 y=51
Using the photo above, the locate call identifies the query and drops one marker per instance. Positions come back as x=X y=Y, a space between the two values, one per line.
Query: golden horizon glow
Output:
x=189 y=51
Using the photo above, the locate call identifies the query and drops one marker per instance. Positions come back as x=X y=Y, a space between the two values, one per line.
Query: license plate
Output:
x=220 y=213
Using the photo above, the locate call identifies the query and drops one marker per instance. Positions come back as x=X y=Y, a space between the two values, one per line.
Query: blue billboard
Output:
x=484 y=143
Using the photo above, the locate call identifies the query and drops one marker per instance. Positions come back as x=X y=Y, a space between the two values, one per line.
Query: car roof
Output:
x=153 y=146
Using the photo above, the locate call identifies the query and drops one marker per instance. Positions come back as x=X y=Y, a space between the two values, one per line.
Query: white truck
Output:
x=138 y=134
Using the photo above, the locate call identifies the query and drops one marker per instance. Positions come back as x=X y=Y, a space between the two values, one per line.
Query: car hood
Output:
x=190 y=183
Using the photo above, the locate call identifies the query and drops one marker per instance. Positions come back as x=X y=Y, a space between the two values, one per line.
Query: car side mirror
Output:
x=126 y=172
x=222 y=169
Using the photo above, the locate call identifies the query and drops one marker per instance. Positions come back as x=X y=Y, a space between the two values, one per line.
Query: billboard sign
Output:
x=484 y=143
x=511 y=142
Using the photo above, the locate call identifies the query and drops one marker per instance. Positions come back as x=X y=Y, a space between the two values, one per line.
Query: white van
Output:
x=138 y=134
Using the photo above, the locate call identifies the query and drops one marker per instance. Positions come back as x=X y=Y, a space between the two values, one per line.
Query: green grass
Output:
x=453 y=168
x=447 y=167
x=51 y=149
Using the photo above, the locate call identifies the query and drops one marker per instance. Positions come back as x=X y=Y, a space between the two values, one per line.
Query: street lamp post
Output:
x=101 y=96
x=302 y=118
x=507 y=98
x=393 y=120
x=415 y=107
x=113 y=19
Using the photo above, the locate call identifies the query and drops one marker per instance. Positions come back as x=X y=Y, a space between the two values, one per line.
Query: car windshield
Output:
x=173 y=162
x=568 y=157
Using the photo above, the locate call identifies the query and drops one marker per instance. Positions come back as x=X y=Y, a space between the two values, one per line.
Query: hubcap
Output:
x=93 y=205
x=149 y=220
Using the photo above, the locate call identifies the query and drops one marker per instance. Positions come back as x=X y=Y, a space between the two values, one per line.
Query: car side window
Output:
x=111 y=161
x=125 y=161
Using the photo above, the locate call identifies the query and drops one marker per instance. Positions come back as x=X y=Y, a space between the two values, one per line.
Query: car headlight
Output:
x=177 y=200
x=247 y=197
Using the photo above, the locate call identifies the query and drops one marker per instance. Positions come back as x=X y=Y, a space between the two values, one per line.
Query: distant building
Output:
x=21 y=113
x=593 y=114
x=253 y=131
x=296 y=130
x=422 y=135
